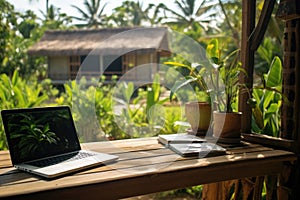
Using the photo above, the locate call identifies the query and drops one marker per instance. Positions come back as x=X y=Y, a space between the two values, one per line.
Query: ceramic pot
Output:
x=227 y=125
x=198 y=114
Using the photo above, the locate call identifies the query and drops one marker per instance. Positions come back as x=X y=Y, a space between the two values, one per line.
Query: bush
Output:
x=101 y=111
x=109 y=111
x=15 y=92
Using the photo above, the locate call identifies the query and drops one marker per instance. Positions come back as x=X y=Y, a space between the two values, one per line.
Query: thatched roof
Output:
x=105 y=41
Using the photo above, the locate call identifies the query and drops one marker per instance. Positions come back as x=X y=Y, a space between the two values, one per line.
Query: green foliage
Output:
x=194 y=77
x=265 y=54
x=143 y=115
x=94 y=14
x=132 y=13
x=224 y=74
x=54 y=19
x=194 y=192
x=18 y=32
x=92 y=107
x=105 y=114
x=190 y=17
x=229 y=28
x=8 y=46
x=114 y=112
x=86 y=101
x=218 y=79
x=266 y=101
x=15 y=92
x=173 y=120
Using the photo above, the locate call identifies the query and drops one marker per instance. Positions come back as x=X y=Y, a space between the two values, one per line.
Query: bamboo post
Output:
x=291 y=86
x=289 y=179
x=290 y=117
x=247 y=59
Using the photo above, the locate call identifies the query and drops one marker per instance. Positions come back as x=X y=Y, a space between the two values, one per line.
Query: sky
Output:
x=65 y=5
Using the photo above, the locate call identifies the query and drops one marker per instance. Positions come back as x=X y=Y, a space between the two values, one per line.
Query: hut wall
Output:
x=146 y=63
x=148 y=69
x=58 y=67
x=62 y=68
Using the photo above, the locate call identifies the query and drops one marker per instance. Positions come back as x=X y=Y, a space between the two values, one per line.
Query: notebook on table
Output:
x=44 y=141
x=188 y=145
x=205 y=149
x=178 y=138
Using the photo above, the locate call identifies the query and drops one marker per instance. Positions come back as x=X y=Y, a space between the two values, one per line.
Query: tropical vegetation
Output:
x=224 y=77
x=267 y=100
x=197 y=19
x=144 y=111
x=94 y=16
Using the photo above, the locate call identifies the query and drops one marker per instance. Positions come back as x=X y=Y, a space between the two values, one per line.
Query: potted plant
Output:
x=225 y=81
x=199 y=111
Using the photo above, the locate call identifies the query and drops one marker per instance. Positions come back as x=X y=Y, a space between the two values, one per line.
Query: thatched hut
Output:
x=94 y=52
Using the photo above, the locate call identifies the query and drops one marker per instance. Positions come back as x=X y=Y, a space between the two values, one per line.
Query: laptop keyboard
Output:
x=59 y=159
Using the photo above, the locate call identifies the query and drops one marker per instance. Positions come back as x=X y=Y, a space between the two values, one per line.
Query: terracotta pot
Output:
x=198 y=115
x=227 y=125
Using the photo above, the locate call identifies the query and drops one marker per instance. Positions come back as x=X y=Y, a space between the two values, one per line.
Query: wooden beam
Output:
x=261 y=27
x=270 y=141
x=247 y=59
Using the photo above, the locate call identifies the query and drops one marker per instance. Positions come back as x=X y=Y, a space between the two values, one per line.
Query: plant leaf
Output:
x=274 y=76
x=179 y=84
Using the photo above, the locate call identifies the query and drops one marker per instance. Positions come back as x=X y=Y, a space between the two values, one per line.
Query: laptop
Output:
x=44 y=141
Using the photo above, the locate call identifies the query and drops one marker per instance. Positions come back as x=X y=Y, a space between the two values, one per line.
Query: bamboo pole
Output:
x=247 y=59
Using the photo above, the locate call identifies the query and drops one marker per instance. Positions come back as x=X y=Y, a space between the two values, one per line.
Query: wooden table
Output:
x=145 y=166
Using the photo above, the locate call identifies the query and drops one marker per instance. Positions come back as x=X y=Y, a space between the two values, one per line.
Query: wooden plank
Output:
x=7 y=170
x=146 y=164
x=4 y=152
x=152 y=146
x=125 y=163
x=4 y=156
x=155 y=166
x=151 y=182
x=126 y=156
x=117 y=146
x=112 y=147
x=5 y=164
x=126 y=160
x=161 y=150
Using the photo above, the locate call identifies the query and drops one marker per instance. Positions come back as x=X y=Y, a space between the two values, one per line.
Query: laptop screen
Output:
x=39 y=132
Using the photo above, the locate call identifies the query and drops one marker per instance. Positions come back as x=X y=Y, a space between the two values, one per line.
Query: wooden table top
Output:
x=144 y=166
